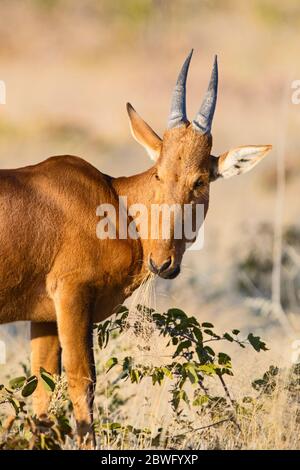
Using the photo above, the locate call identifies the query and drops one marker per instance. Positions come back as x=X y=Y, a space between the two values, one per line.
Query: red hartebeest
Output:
x=54 y=270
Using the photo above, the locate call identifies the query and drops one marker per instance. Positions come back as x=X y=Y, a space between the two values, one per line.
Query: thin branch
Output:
x=230 y=400
x=278 y=311
x=203 y=427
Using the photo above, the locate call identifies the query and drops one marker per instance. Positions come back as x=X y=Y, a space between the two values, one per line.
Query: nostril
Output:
x=153 y=266
x=159 y=269
x=165 y=265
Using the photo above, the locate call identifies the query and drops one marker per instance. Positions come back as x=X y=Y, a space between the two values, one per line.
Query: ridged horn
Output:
x=177 y=115
x=203 y=120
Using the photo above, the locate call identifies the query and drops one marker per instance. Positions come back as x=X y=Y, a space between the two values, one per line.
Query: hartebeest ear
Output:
x=143 y=133
x=237 y=161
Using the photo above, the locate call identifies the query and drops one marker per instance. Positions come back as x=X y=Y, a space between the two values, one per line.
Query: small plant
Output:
x=193 y=362
x=22 y=430
x=193 y=365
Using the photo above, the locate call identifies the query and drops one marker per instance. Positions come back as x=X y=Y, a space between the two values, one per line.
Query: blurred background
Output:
x=70 y=67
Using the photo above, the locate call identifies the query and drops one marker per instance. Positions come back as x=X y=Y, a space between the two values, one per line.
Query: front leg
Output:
x=73 y=306
x=46 y=353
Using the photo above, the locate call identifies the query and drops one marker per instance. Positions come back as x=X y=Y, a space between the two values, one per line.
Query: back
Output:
x=40 y=206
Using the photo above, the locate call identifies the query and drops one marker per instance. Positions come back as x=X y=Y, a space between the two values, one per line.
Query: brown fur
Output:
x=57 y=274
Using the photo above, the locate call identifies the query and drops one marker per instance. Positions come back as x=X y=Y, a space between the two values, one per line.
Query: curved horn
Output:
x=203 y=120
x=177 y=115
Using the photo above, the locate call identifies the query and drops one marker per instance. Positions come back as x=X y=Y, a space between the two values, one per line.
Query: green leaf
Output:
x=17 y=382
x=47 y=380
x=198 y=335
x=157 y=317
x=184 y=396
x=183 y=345
x=224 y=359
x=121 y=309
x=200 y=400
x=158 y=376
x=203 y=355
x=273 y=371
x=211 y=333
x=111 y=363
x=235 y=332
x=208 y=369
x=228 y=337
x=258 y=384
x=64 y=424
x=192 y=373
x=135 y=376
x=167 y=372
x=209 y=350
x=177 y=396
x=29 y=386
x=176 y=313
x=115 y=426
x=256 y=343
x=103 y=334
x=207 y=325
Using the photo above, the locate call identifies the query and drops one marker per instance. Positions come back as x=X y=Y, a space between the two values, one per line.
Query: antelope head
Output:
x=184 y=165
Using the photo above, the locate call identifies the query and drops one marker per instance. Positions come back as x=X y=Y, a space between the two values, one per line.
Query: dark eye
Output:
x=198 y=184
x=157 y=177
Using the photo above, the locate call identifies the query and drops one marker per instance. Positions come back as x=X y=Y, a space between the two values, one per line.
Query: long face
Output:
x=183 y=171
x=181 y=179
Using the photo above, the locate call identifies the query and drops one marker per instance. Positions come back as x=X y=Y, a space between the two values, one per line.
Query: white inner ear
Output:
x=153 y=154
x=241 y=159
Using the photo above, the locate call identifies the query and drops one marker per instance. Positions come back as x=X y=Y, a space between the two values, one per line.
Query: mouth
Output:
x=170 y=274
